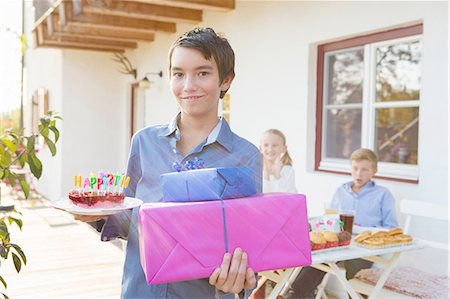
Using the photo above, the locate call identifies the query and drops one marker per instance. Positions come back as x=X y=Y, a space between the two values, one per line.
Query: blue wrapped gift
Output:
x=208 y=184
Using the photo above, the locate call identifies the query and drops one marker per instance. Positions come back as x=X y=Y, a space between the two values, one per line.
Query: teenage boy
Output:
x=201 y=68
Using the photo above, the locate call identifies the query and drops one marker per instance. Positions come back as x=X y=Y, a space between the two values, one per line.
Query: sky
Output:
x=10 y=18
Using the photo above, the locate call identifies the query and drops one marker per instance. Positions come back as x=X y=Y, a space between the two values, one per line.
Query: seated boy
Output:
x=374 y=206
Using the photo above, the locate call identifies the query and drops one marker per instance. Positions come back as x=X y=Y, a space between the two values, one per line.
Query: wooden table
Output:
x=327 y=261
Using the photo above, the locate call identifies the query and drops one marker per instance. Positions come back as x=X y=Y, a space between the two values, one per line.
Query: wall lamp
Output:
x=145 y=82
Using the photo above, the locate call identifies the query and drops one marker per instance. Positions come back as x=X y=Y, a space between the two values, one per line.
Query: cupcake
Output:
x=344 y=238
x=317 y=241
x=331 y=239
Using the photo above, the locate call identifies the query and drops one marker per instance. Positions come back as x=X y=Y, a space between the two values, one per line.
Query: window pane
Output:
x=398 y=72
x=396 y=135
x=343 y=132
x=346 y=74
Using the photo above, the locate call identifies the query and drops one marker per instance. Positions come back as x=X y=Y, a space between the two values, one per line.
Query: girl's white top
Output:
x=286 y=183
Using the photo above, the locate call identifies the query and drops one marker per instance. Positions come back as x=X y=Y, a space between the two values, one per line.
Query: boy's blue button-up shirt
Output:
x=153 y=151
x=374 y=205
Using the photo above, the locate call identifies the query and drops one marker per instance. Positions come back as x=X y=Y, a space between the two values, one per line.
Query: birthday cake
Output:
x=99 y=191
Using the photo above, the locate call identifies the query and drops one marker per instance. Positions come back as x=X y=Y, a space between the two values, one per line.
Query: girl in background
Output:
x=278 y=172
x=278 y=176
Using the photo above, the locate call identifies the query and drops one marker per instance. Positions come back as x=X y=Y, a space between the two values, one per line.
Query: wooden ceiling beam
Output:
x=90 y=41
x=124 y=22
x=110 y=27
x=86 y=29
x=114 y=33
x=58 y=35
x=113 y=25
x=76 y=46
x=220 y=5
x=139 y=10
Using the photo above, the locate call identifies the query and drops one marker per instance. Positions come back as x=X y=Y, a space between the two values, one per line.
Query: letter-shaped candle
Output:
x=86 y=182
x=127 y=181
x=93 y=181
x=99 y=183
x=110 y=179
x=77 y=180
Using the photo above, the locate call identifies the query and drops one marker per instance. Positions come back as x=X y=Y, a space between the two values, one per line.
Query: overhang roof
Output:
x=114 y=25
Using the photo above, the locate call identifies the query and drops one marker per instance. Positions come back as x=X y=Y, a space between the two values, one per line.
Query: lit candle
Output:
x=93 y=181
x=86 y=183
x=127 y=181
x=77 y=181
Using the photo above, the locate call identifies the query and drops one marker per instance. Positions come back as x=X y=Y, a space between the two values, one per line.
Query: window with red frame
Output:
x=368 y=95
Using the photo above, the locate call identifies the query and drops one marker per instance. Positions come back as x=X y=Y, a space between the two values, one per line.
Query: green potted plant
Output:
x=18 y=150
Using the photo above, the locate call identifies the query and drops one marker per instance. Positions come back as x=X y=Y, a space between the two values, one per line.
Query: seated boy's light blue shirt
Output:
x=153 y=151
x=374 y=205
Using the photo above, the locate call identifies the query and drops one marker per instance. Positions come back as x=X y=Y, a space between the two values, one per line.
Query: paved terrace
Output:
x=65 y=258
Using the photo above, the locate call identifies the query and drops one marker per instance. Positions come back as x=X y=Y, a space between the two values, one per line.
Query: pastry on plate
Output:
x=362 y=236
x=373 y=242
x=331 y=238
x=395 y=231
x=317 y=241
x=344 y=238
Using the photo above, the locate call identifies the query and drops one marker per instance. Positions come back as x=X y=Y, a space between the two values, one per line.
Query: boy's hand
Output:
x=233 y=275
x=86 y=218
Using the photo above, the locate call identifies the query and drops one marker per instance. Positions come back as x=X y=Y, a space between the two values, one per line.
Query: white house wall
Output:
x=91 y=96
x=275 y=87
x=46 y=75
x=94 y=104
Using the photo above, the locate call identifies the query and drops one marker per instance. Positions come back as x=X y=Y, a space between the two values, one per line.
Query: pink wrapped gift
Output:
x=185 y=241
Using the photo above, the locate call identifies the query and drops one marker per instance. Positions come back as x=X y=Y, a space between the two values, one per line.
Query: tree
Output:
x=18 y=150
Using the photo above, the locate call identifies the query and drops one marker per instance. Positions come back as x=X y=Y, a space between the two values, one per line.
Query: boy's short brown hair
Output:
x=365 y=154
x=207 y=42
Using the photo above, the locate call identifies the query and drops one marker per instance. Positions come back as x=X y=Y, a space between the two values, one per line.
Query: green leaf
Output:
x=24 y=185
x=44 y=120
x=4 y=284
x=51 y=145
x=30 y=144
x=55 y=132
x=11 y=178
x=17 y=262
x=9 y=144
x=6 y=159
x=22 y=160
x=35 y=165
x=58 y=117
x=4 y=235
x=14 y=136
x=44 y=131
x=2 y=251
x=19 y=222
x=20 y=252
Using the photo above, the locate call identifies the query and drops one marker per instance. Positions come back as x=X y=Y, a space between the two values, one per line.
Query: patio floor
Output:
x=65 y=258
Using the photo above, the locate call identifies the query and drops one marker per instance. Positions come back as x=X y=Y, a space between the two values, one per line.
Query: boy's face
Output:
x=272 y=146
x=195 y=82
x=362 y=172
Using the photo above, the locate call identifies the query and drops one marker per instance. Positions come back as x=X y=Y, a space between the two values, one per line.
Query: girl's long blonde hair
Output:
x=286 y=159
